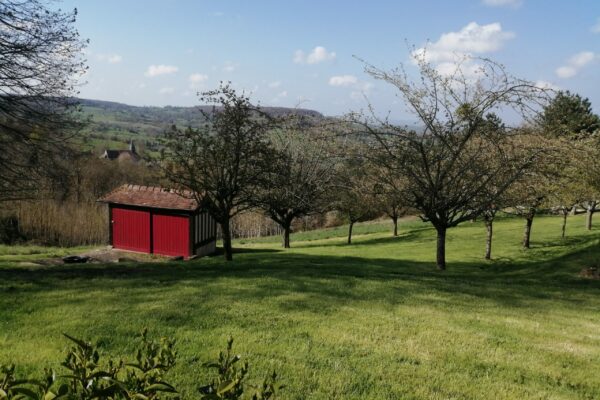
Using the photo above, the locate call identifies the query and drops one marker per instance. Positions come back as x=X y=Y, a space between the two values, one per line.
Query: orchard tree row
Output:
x=463 y=163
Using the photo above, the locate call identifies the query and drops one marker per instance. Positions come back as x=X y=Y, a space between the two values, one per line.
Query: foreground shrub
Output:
x=230 y=381
x=143 y=379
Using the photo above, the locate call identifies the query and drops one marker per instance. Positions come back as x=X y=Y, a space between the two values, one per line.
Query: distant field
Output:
x=373 y=320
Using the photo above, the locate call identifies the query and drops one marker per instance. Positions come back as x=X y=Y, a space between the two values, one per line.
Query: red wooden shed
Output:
x=160 y=221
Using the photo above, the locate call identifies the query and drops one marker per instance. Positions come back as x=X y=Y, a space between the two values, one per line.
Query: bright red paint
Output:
x=131 y=229
x=171 y=235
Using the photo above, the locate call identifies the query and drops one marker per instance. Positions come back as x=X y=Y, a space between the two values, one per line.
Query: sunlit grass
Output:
x=372 y=320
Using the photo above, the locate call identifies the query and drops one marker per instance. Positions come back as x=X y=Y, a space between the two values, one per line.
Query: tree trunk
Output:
x=564 y=224
x=227 y=248
x=489 y=225
x=286 y=236
x=395 y=219
x=350 y=232
x=591 y=208
x=441 y=248
x=527 y=232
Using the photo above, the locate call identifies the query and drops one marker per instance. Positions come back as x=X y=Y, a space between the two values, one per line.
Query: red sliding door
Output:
x=131 y=229
x=171 y=235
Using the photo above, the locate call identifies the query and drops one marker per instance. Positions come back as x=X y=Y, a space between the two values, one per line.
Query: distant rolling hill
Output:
x=113 y=125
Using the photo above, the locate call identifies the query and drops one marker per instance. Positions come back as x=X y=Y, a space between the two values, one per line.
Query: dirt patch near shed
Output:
x=110 y=255
x=103 y=255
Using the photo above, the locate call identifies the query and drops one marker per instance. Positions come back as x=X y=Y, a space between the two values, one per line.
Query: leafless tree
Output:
x=588 y=164
x=446 y=164
x=355 y=196
x=301 y=173
x=41 y=60
x=570 y=178
x=225 y=162
x=390 y=189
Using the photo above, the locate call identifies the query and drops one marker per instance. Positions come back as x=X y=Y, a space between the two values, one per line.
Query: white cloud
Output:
x=156 y=70
x=596 y=27
x=109 y=58
x=582 y=59
x=279 y=96
x=467 y=68
x=575 y=64
x=317 y=55
x=274 y=85
x=503 y=3
x=472 y=39
x=115 y=59
x=343 y=80
x=166 y=90
x=546 y=85
x=566 y=72
x=196 y=80
x=229 y=67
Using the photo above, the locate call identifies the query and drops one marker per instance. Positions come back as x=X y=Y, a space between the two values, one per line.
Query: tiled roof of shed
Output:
x=151 y=196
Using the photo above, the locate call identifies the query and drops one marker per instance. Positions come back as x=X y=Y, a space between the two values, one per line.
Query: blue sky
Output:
x=162 y=52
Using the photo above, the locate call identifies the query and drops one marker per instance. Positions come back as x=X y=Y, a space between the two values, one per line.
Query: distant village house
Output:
x=122 y=155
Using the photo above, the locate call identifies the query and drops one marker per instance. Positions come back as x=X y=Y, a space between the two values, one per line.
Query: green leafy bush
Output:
x=143 y=379
x=230 y=380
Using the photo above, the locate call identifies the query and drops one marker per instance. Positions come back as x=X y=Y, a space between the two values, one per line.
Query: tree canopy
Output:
x=569 y=115
x=41 y=60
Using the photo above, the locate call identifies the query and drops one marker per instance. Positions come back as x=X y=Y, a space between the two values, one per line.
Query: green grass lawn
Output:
x=373 y=320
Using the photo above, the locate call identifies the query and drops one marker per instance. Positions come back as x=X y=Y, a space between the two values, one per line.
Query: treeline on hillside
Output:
x=106 y=118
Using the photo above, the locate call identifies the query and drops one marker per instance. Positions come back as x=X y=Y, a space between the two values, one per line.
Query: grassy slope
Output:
x=371 y=320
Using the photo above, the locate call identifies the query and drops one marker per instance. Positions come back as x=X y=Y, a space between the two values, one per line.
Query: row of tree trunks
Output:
x=286 y=236
x=527 y=232
x=489 y=226
x=226 y=233
x=441 y=248
x=590 y=210
x=564 y=225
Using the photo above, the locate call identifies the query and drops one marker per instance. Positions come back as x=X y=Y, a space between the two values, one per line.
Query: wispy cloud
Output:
x=454 y=50
x=318 y=55
x=280 y=96
x=166 y=90
x=503 y=3
x=575 y=64
x=596 y=27
x=342 y=80
x=229 y=67
x=546 y=85
x=196 y=80
x=472 y=39
x=157 y=70
x=110 y=58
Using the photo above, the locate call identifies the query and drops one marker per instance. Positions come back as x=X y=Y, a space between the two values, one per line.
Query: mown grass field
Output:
x=373 y=320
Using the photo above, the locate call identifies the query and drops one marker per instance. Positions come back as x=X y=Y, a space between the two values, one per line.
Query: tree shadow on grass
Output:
x=416 y=235
x=243 y=250
x=320 y=284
